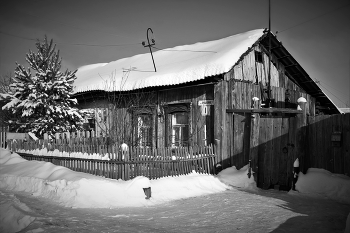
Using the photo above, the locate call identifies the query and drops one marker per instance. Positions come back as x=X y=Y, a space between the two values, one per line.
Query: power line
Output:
x=314 y=18
x=333 y=94
x=334 y=89
x=184 y=50
x=21 y=37
x=99 y=45
x=70 y=25
x=74 y=44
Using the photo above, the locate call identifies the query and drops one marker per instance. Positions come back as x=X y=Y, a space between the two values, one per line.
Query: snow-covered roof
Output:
x=176 y=65
x=344 y=110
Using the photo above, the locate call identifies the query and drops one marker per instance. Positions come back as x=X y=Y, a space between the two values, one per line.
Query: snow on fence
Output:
x=113 y=162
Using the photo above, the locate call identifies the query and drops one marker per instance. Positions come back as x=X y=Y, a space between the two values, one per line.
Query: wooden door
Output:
x=276 y=152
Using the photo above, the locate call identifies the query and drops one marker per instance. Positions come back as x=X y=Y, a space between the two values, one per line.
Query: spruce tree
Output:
x=40 y=96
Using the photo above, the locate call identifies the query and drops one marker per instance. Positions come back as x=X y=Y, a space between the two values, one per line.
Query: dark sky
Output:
x=315 y=32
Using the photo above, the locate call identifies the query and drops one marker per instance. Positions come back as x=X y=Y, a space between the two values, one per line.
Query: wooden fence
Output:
x=149 y=162
x=328 y=143
x=3 y=130
x=273 y=142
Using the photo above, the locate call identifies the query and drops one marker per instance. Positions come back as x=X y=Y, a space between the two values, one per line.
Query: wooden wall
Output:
x=189 y=95
x=248 y=79
x=119 y=117
x=248 y=70
x=322 y=153
x=240 y=96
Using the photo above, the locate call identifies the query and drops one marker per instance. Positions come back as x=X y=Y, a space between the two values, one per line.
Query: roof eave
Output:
x=301 y=78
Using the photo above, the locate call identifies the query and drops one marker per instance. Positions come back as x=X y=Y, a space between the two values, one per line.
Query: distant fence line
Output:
x=149 y=162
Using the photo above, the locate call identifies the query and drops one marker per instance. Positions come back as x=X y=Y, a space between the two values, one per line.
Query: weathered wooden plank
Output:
x=338 y=157
x=277 y=127
x=218 y=104
x=292 y=155
x=234 y=94
x=224 y=128
x=282 y=98
x=311 y=140
x=246 y=95
x=254 y=144
x=327 y=123
x=346 y=143
x=320 y=141
x=246 y=139
x=239 y=93
x=269 y=153
x=262 y=152
x=238 y=140
x=230 y=138
x=284 y=147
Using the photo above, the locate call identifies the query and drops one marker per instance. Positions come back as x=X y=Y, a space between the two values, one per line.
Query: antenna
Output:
x=149 y=45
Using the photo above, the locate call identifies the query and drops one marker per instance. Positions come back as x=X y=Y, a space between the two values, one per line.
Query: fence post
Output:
x=126 y=155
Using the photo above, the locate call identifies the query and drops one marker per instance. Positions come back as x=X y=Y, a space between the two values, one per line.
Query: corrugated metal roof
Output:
x=177 y=65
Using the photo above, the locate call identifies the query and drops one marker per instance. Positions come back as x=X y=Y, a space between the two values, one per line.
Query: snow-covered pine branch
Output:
x=40 y=96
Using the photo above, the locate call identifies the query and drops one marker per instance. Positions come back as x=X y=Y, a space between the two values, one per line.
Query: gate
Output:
x=268 y=143
x=276 y=152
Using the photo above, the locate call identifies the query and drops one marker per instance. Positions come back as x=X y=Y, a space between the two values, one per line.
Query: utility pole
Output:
x=269 y=82
x=149 y=45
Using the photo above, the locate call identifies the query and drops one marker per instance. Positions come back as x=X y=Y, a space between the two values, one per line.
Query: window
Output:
x=258 y=57
x=144 y=130
x=179 y=129
x=143 y=126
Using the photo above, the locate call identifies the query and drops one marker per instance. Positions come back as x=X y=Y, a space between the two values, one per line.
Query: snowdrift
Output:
x=325 y=183
x=81 y=190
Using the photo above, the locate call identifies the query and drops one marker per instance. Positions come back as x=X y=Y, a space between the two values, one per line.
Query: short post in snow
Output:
x=147 y=192
x=296 y=171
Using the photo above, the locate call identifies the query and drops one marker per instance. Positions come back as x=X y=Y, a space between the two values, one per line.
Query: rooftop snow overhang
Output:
x=296 y=73
x=192 y=63
x=178 y=65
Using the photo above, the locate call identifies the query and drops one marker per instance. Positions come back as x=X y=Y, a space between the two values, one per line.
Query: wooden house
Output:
x=203 y=94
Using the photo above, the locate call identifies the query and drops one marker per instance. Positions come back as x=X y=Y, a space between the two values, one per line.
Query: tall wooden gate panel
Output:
x=269 y=142
x=276 y=152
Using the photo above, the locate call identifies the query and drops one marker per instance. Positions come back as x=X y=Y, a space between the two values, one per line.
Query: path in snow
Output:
x=229 y=211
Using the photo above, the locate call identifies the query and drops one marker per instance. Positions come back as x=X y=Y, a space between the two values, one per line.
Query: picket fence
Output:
x=121 y=164
x=3 y=131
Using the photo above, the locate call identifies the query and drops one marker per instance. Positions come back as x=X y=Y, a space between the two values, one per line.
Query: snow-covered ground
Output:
x=80 y=190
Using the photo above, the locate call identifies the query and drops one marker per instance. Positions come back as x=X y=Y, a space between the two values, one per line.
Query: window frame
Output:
x=138 y=112
x=170 y=110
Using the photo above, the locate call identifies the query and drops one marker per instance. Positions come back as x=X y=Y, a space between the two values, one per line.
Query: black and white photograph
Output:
x=175 y=116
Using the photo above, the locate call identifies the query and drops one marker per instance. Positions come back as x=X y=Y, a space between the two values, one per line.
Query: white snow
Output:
x=15 y=215
x=81 y=190
x=237 y=178
x=176 y=65
x=322 y=182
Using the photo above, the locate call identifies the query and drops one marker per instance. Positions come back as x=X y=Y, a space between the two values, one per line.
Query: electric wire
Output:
x=319 y=16
x=74 y=44
x=333 y=94
x=184 y=50
x=332 y=88
x=70 y=25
